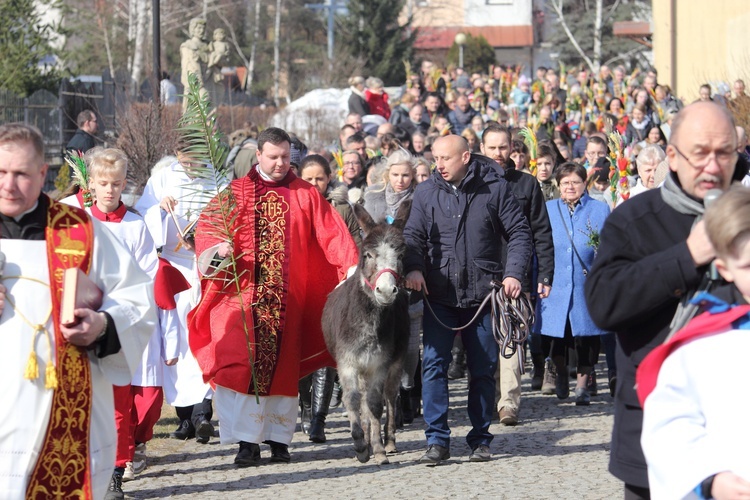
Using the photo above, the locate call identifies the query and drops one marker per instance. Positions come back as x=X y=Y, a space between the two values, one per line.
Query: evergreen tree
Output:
x=373 y=35
x=25 y=44
x=478 y=54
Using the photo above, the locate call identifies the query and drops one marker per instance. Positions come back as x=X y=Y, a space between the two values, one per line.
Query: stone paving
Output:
x=558 y=450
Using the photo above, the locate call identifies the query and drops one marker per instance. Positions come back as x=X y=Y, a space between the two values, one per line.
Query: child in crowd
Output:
x=138 y=405
x=694 y=427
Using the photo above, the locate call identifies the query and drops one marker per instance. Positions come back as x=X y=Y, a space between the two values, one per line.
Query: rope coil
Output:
x=511 y=319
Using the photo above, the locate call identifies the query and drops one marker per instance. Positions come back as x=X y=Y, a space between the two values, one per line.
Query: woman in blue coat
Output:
x=564 y=322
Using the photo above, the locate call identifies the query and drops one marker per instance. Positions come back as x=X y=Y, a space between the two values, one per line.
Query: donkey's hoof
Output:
x=381 y=459
x=363 y=456
x=391 y=448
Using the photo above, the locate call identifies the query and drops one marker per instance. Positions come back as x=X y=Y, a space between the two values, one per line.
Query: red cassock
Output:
x=292 y=248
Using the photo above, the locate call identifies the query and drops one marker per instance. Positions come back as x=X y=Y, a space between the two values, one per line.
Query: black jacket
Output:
x=642 y=270
x=81 y=141
x=454 y=236
x=529 y=194
x=357 y=104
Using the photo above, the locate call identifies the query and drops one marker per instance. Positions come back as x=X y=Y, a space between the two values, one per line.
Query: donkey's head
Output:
x=380 y=257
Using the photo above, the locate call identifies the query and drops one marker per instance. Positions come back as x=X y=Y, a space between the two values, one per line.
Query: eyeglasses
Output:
x=570 y=184
x=596 y=154
x=352 y=163
x=701 y=160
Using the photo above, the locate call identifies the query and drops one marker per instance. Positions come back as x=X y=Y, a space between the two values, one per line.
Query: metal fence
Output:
x=55 y=116
x=41 y=109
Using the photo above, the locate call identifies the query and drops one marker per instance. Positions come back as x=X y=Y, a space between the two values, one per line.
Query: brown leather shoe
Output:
x=508 y=416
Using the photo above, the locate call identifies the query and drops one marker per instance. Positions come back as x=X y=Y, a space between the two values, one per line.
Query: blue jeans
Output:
x=481 y=359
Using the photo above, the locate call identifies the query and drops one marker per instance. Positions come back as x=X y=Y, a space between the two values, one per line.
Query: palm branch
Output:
x=529 y=137
x=77 y=164
x=206 y=147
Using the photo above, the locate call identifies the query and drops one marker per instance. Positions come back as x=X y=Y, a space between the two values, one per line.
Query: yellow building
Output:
x=699 y=41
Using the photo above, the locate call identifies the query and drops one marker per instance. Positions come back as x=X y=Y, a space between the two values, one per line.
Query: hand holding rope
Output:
x=511 y=319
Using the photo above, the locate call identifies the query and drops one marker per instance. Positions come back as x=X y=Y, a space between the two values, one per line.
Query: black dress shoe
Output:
x=248 y=455
x=186 y=430
x=435 y=454
x=204 y=431
x=279 y=452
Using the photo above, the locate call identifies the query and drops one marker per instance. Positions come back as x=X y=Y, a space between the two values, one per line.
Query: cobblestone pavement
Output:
x=558 y=450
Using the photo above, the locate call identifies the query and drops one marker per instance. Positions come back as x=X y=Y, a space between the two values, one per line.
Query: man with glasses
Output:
x=83 y=139
x=654 y=256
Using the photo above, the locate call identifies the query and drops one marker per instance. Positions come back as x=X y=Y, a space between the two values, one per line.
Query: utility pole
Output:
x=156 y=27
x=331 y=6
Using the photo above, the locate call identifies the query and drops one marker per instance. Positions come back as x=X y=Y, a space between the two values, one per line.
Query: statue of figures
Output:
x=194 y=55
x=218 y=57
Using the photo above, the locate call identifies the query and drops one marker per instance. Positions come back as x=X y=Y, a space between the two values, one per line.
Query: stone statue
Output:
x=194 y=56
x=218 y=57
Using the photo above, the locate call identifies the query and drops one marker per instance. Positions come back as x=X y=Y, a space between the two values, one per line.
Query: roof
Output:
x=497 y=36
x=631 y=28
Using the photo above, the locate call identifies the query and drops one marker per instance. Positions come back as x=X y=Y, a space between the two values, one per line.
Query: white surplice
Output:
x=128 y=298
x=136 y=238
x=695 y=420
x=183 y=382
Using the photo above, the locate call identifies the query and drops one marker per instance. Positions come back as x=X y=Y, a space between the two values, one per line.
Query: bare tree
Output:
x=253 y=46
x=141 y=32
x=101 y=21
x=276 y=57
x=593 y=64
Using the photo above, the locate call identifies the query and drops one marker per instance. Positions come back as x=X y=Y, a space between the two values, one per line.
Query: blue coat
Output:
x=567 y=299
x=455 y=236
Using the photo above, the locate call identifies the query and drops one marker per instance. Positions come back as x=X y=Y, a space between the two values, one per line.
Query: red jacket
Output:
x=378 y=103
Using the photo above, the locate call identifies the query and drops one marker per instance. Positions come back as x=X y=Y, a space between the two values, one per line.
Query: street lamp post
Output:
x=460 y=41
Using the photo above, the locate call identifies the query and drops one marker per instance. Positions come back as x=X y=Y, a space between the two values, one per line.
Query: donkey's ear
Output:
x=402 y=215
x=364 y=218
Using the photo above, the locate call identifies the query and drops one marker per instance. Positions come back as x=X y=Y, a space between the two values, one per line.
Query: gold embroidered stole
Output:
x=63 y=468
x=270 y=211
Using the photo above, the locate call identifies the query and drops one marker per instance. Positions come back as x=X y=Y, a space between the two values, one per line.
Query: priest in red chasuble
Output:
x=275 y=238
x=57 y=432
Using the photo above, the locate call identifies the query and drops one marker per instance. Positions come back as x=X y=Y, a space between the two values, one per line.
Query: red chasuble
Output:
x=291 y=249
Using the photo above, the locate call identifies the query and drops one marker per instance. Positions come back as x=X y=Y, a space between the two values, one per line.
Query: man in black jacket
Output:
x=83 y=139
x=458 y=220
x=653 y=257
x=496 y=145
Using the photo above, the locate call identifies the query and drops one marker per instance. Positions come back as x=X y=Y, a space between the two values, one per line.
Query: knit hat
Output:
x=296 y=154
x=523 y=80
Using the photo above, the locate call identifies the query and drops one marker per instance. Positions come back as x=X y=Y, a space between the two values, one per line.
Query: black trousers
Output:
x=586 y=348
x=196 y=413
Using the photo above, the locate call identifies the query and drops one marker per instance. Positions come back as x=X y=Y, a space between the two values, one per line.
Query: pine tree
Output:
x=373 y=35
x=25 y=42
x=478 y=54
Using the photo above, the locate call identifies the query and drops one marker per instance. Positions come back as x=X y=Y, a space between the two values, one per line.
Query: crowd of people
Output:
x=555 y=188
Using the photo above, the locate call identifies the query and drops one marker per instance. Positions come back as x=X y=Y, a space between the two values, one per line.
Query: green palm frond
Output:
x=207 y=149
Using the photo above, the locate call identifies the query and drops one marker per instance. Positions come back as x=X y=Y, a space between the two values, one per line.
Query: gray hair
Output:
x=374 y=83
x=650 y=155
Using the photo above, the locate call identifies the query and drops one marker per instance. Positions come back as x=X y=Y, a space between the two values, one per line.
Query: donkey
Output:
x=366 y=328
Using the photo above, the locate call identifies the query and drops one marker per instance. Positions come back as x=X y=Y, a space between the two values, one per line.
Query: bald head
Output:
x=702 y=149
x=452 y=158
x=454 y=142
x=697 y=111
